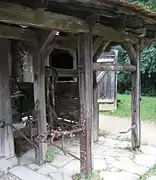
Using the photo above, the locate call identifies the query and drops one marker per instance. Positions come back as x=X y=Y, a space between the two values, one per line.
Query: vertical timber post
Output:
x=39 y=101
x=85 y=65
x=95 y=109
x=6 y=132
x=136 y=132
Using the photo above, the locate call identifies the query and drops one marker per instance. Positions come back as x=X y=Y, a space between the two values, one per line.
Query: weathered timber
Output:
x=95 y=109
x=106 y=67
x=97 y=44
x=62 y=72
x=17 y=33
x=136 y=93
x=86 y=100
x=39 y=101
x=120 y=8
x=66 y=72
x=45 y=43
x=22 y=15
x=6 y=132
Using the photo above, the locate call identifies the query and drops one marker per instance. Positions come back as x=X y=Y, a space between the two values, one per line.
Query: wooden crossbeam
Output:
x=62 y=72
x=17 y=33
x=105 y=67
x=22 y=15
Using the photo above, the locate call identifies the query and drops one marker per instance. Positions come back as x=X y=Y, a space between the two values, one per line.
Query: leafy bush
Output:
x=148 y=71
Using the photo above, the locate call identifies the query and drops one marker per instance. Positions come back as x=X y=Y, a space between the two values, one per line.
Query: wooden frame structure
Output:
x=93 y=25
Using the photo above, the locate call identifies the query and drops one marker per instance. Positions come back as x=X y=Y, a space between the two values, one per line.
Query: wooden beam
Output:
x=86 y=100
x=106 y=67
x=136 y=94
x=120 y=7
x=62 y=72
x=39 y=101
x=46 y=41
x=22 y=15
x=66 y=72
x=17 y=33
x=6 y=132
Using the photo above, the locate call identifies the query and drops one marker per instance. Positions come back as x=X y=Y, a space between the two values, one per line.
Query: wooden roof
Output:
x=113 y=19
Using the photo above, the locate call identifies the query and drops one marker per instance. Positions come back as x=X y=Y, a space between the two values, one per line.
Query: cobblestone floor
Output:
x=112 y=158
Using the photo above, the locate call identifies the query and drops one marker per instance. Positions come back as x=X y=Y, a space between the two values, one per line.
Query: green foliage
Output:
x=148 y=4
x=148 y=71
x=49 y=155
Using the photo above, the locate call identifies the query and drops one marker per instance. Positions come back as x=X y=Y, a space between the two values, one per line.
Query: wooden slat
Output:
x=105 y=67
x=17 y=33
x=22 y=15
x=86 y=100
x=6 y=133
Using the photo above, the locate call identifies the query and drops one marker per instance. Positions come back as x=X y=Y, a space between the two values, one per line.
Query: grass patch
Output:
x=148 y=107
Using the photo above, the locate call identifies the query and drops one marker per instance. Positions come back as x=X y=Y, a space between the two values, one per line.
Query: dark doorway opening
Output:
x=61 y=58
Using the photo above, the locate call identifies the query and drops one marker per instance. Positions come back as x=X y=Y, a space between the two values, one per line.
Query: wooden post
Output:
x=39 y=98
x=95 y=109
x=86 y=100
x=6 y=133
x=136 y=132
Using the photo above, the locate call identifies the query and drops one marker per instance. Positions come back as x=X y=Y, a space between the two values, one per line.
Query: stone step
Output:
x=25 y=173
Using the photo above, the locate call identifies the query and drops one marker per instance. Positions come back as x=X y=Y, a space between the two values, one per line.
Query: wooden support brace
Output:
x=46 y=42
x=86 y=100
x=6 y=132
x=136 y=93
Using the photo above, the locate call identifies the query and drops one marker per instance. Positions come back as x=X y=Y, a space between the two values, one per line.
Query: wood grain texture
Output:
x=6 y=133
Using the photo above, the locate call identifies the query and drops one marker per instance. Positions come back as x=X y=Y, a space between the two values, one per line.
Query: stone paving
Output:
x=112 y=158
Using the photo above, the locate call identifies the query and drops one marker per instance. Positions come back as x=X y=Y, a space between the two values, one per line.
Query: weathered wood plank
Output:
x=86 y=100
x=39 y=101
x=22 y=15
x=106 y=67
x=136 y=90
x=6 y=133
x=17 y=33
